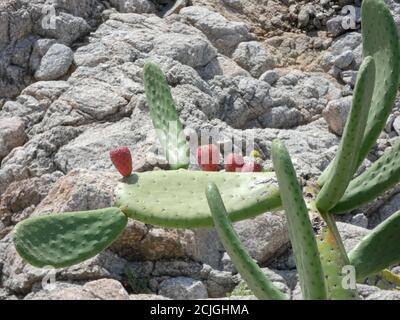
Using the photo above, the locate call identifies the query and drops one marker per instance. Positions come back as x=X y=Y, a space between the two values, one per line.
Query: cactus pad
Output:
x=165 y=118
x=177 y=199
x=378 y=178
x=381 y=41
x=301 y=232
x=337 y=176
x=62 y=240
x=256 y=280
x=379 y=249
x=332 y=263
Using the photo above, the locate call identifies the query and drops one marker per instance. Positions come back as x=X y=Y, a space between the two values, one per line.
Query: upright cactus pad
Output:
x=332 y=264
x=62 y=240
x=300 y=229
x=165 y=118
x=380 y=41
x=337 y=176
x=177 y=199
x=261 y=286
x=379 y=249
x=379 y=177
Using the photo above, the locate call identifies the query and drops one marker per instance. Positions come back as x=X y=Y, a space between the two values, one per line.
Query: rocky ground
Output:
x=71 y=89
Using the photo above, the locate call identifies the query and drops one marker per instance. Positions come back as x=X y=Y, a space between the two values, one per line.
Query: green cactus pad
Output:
x=62 y=240
x=381 y=41
x=337 y=176
x=332 y=264
x=300 y=229
x=177 y=199
x=165 y=118
x=256 y=280
x=379 y=249
x=378 y=178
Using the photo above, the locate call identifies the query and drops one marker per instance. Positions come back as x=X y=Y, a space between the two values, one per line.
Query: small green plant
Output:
x=136 y=284
x=181 y=198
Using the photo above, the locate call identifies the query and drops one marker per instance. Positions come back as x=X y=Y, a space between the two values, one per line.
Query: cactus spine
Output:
x=261 y=286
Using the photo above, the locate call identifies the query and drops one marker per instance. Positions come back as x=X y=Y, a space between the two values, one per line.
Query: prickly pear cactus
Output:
x=165 y=118
x=256 y=280
x=300 y=229
x=378 y=178
x=177 y=199
x=338 y=175
x=379 y=249
x=380 y=41
x=332 y=264
x=62 y=240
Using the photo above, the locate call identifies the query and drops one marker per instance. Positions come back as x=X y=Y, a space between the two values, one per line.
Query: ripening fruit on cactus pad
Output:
x=234 y=162
x=122 y=160
x=208 y=157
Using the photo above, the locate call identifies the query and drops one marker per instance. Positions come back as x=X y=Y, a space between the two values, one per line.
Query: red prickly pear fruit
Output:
x=252 y=166
x=208 y=157
x=122 y=160
x=234 y=162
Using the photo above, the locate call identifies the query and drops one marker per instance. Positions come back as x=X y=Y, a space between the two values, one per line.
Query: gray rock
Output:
x=270 y=77
x=35 y=157
x=66 y=28
x=12 y=135
x=21 y=198
x=147 y=297
x=359 y=220
x=55 y=63
x=264 y=236
x=351 y=235
x=254 y=57
x=102 y=289
x=220 y=283
x=335 y=26
x=349 y=77
x=242 y=99
x=390 y=207
x=303 y=17
x=281 y=117
x=174 y=7
x=135 y=6
x=344 y=60
x=33 y=102
x=178 y=268
x=396 y=125
x=190 y=50
x=23 y=23
x=336 y=114
x=224 y=35
x=40 y=48
x=374 y=293
x=182 y=288
x=350 y=41
x=277 y=280
x=222 y=66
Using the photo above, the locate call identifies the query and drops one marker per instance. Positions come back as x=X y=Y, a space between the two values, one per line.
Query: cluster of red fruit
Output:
x=208 y=158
